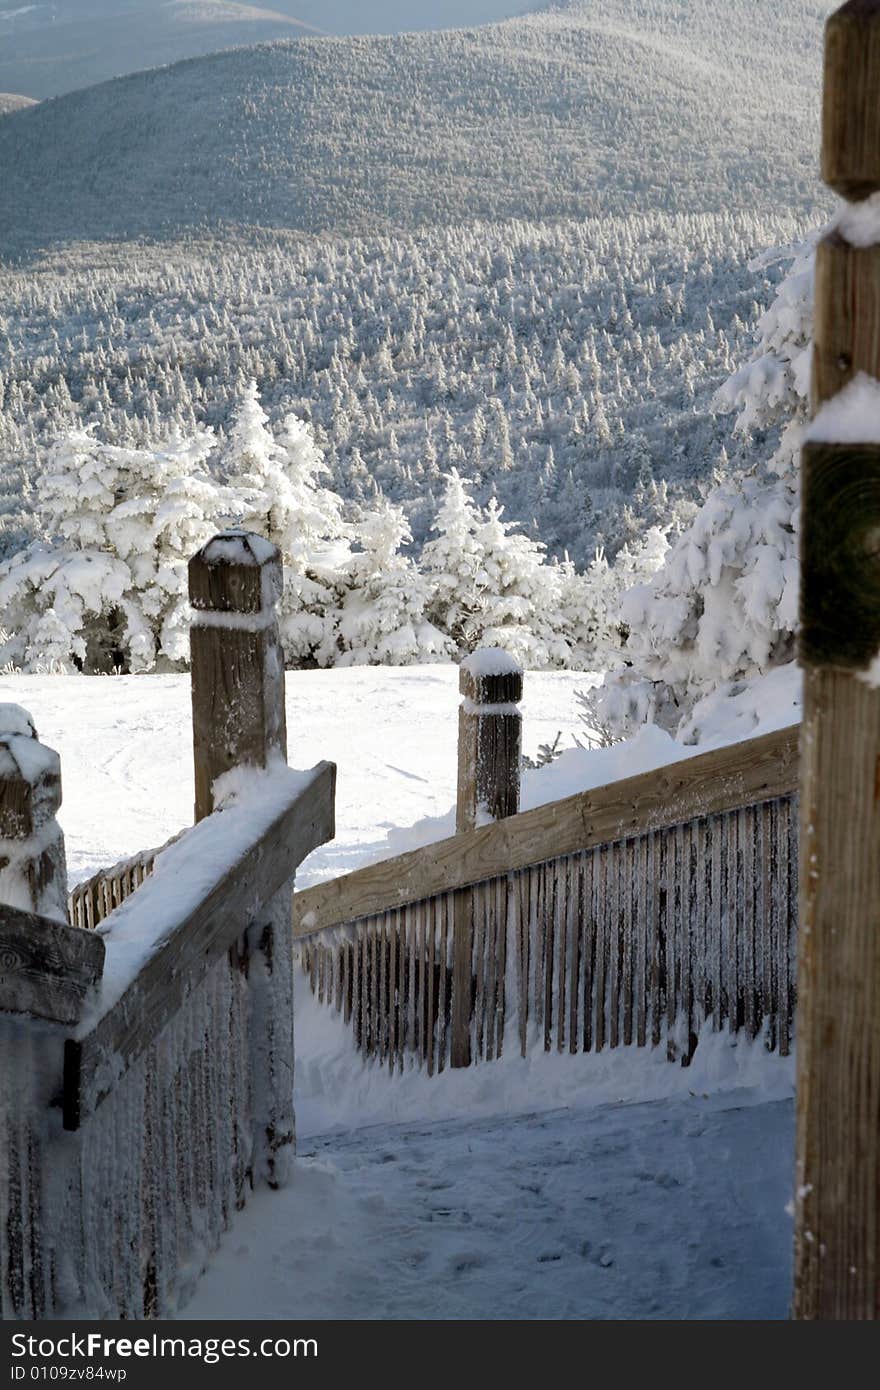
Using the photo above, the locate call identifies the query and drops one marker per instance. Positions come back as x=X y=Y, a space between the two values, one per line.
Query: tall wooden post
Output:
x=237 y=663
x=33 y=867
x=235 y=583
x=837 y=1241
x=489 y=738
x=489 y=748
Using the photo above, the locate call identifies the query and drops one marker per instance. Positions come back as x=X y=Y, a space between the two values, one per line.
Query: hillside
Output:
x=50 y=48
x=602 y=108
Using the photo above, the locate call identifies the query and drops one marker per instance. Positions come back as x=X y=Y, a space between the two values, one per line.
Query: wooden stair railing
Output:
x=635 y=913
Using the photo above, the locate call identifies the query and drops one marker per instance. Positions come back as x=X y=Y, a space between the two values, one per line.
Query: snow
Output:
x=15 y=720
x=871 y=676
x=186 y=871
x=850 y=417
x=22 y=756
x=670 y=1209
x=859 y=223
x=234 y=622
x=239 y=548
x=491 y=661
x=126 y=751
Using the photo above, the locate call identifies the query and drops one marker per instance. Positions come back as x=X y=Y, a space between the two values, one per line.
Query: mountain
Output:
x=601 y=108
x=50 y=48
x=10 y=101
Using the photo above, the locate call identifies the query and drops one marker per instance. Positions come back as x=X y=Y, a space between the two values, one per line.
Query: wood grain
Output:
x=47 y=969
x=850 y=109
x=237 y=675
x=837 y=1193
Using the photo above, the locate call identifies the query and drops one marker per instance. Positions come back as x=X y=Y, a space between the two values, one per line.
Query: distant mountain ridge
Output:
x=602 y=108
x=63 y=45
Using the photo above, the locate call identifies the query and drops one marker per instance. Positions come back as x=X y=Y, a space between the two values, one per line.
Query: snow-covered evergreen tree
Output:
x=382 y=618
x=453 y=563
x=723 y=607
x=279 y=479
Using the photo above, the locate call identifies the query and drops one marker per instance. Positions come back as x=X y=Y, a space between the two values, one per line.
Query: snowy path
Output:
x=671 y=1209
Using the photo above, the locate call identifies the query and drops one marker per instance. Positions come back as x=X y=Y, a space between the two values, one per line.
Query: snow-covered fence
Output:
x=146 y=1070
x=635 y=913
x=95 y=898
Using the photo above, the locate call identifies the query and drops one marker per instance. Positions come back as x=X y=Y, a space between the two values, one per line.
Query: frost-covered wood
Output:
x=723 y=779
x=685 y=917
x=191 y=940
x=95 y=898
x=172 y=1079
x=33 y=868
x=176 y=1083
x=837 y=1185
x=47 y=969
x=642 y=941
x=489 y=756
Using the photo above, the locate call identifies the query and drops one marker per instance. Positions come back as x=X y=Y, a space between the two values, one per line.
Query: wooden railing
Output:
x=146 y=1069
x=90 y=901
x=631 y=914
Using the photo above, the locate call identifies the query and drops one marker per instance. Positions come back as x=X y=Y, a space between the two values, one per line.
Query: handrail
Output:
x=124 y=1025
x=724 y=779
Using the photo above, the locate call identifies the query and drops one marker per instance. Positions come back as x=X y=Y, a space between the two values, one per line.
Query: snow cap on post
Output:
x=851 y=110
x=235 y=582
x=236 y=572
x=491 y=676
x=489 y=737
x=33 y=868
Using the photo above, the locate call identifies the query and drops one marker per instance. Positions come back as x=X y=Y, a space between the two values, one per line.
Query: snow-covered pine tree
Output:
x=452 y=563
x=723 y=606
x=520 y=595
x=382 y=618
x=492 y=586
x=278 y=478
x=105 y=585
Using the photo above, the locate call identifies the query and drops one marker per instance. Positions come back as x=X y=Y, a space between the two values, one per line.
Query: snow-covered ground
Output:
x=672 y=1209
x=126 y=751
x=608 y=1186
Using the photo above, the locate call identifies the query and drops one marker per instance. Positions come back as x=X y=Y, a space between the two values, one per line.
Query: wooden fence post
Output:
x=235 y=583
x=33 y=868
x=489 y=738
x=489 y=751
x=237 y=663
x=837 y=1199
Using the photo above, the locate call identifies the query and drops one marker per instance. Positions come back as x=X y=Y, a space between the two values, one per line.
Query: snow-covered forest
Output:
x=566 y=369
x=484 y=432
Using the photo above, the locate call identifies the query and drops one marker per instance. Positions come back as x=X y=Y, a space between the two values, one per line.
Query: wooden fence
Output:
x=146 y=1069
x=631 y=914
